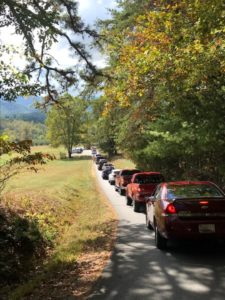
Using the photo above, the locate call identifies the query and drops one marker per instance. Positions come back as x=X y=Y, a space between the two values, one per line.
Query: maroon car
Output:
x=186 y=210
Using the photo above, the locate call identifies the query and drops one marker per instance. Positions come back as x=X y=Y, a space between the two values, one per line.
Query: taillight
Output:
x=204 y=202
x=170 y=209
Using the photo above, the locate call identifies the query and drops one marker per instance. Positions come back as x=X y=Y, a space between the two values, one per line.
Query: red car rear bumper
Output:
x=193 y=229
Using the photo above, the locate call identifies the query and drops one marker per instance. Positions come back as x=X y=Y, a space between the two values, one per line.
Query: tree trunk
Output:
x=69 y=153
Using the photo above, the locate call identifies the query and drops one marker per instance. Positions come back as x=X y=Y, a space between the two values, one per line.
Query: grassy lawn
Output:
x=123 y=163
x=73 y=218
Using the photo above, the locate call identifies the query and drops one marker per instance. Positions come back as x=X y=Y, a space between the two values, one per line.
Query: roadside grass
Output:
x=72 y=217
x=57 y=152
x=123 y=163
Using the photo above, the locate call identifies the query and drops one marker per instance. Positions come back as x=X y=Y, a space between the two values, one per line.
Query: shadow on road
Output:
x=140 y=271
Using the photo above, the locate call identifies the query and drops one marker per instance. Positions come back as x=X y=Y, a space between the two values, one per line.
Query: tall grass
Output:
x=69 y=209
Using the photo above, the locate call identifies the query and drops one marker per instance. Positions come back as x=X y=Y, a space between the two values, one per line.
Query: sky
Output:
x=90 y=11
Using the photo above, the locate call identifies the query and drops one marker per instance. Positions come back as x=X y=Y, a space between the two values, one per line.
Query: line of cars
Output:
x=179 y=210
x=77 y=150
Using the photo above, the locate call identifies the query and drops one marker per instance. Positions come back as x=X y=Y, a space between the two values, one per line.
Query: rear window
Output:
x=147 y=179
x=192 y=191
x=116 y=172
x=129 y=172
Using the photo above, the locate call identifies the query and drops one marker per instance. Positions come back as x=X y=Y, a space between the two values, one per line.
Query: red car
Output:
x=142 y=185
x=186 y=210
x=123 y=178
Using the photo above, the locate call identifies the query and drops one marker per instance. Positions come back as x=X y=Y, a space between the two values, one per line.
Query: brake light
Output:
x=170 y=209
x=204 y=202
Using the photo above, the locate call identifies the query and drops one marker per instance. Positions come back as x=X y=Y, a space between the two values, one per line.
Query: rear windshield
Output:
x=116 y=172
x=129 y=172
x=192 y=191
x=146 y=179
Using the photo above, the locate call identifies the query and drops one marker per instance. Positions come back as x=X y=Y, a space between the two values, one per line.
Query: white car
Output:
x=107 y=165
x=112 y=175
x=77 y=150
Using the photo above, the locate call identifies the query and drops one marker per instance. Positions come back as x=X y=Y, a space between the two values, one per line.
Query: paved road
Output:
x=137 y=270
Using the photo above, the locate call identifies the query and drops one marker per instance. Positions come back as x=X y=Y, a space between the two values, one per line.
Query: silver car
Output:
x=112 y=176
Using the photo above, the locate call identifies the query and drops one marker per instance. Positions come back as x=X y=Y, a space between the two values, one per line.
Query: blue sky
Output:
x=90 y=10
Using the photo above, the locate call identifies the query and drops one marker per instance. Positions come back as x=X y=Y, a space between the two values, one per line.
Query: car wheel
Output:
x=116 y=189
x=121 y=192
x=129 y=201
x=136 y=206
x=160 y=241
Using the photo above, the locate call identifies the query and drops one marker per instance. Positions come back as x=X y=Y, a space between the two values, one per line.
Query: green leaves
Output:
x=169 y=72
x=64 y=122
x=19 y=158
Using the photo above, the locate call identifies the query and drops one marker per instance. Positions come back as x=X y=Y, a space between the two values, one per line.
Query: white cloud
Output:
x=9 y=37
x=89 y=10
x=83 y=5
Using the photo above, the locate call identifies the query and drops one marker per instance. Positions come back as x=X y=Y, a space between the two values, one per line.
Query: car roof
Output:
x=130 y=170
x=186 y=182
x=148 y=173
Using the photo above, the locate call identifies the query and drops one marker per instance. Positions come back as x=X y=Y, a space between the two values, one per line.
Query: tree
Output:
x=42 y=23
x=167 y=70
x=64 y=122
x=24 y=160
x=102 y=128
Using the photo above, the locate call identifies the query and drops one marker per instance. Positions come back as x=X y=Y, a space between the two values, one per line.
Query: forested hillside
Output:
x=22 y=109
x=20 y=120
x=164 y=98
x=24 y=130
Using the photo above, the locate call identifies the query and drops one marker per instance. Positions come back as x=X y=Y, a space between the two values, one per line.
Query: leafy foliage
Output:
x=24 y=130
x=64 y=122
x=167 y=79
x=102 y=130
x=23 y=160
x=41 y=24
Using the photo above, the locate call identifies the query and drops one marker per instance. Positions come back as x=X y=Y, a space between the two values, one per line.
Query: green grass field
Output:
x=72 y=215
x=123 y=163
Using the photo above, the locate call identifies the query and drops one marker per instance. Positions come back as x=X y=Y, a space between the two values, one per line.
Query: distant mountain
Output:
x=22 y=108
x=28 y=101
x=13 y=108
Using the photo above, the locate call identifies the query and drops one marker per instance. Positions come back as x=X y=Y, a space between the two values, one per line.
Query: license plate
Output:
x=206 y=228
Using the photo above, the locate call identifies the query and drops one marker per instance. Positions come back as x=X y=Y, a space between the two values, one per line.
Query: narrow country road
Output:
x=137 y=270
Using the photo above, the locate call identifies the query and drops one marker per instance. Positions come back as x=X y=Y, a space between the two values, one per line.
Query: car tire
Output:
x=129 y=201
x=116 y=189
x=160 y=241
x=121 y=191
x=136 y=206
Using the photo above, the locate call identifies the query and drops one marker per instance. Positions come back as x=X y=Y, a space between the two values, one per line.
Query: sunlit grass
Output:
x=79 y=212
x=49 y=150
x=123 y=163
